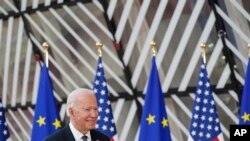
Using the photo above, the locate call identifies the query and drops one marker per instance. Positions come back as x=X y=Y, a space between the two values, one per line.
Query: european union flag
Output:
x=46 y=119
x=154 y=120
x=105 y=123
x=244 y=117
x=4 y=132
x=205 y=124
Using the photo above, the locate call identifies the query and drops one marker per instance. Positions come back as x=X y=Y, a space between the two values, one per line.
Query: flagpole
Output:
x=46 y=56
x=153 y=47
x=99 y=48
x=203 y=51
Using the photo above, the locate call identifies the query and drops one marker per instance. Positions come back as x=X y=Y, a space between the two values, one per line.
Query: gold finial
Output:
x=99 y=48
x=46 y=56
x=203 y=51
x=248 y=46
x=153 y=47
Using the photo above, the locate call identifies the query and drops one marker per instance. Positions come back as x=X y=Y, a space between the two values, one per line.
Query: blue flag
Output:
x=46 y=119
x=154 y=120
x=105 y=122
x=205 y=125
x=244 y=117
x=4 y=132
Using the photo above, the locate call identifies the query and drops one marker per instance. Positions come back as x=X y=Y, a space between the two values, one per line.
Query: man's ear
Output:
x=71 y=111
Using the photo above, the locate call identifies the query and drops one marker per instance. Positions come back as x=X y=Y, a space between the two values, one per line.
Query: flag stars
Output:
x=197 y=108
x=164 y=122
x=209 y=127
x=104 y=84
x=95 y=91
x=200 y=83
x=217 y=120
x=41 y=121
x=104 y=127
x=111 y=129
x=101 y=100
x=107 y=111
x=199 y=91
x=150 y=119
x=201 y=134
x=207 y=84
x=245 y=117
x=99 y=74
x=99 y=109
x=204 y=109
x=193 y=132
x=108 y=102
x=205 y=101
x=198 y=99
x=194 y=124
x=103 y=92
x=211 y=111
x=208 y=135
x=202 y=66
x=206 y=92
x=216 y=128
x=196 y=116
x=210 y=119
x=5 y=132
x=106 y=119
x=212 y=102
x=57 y=124
x=203 y=117
x=97 y=82
x=202 y=126
x=100 y=65
x=201 y=75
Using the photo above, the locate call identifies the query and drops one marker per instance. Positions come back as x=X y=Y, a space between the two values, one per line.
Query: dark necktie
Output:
x=85 y=138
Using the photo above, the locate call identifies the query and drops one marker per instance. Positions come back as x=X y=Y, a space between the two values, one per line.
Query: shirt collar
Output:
x=77 y=134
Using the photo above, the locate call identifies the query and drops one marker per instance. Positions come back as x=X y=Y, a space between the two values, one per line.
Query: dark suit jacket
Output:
x=65 y=134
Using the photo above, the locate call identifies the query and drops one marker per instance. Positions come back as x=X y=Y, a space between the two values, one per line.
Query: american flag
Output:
x=105 y=123
x=205 y=124
x=4 y=132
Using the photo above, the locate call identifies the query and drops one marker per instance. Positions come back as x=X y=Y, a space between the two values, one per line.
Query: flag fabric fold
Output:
x=244 y=117
x=154 y=120
x=4 y=132
x=46 y=119
x=105 y=122
x=205 y=124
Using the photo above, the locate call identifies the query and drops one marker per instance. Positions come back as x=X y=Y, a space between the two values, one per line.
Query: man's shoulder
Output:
x=55 y=136
x=99 y=135
x=59 y=135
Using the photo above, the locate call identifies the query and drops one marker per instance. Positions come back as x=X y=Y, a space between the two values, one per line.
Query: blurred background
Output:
x=126 y=28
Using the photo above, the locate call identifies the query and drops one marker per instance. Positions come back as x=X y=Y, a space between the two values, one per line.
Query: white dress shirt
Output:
x=77 y=134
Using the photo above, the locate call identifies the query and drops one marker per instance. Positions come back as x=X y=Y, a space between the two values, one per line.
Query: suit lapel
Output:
x=94 y=135
x=68 y=135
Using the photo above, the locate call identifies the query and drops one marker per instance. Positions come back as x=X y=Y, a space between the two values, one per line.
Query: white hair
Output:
x=72 y=97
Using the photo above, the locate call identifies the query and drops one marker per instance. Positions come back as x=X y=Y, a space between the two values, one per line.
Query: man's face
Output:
x=85 y=112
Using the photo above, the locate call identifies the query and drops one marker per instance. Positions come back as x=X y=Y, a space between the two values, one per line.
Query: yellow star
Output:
x=150 y=119
x=245 y=117
x=57 y=123
x=41 y=121
x=164 y=122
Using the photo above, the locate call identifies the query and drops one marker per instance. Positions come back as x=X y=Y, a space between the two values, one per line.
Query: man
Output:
x=83 y=113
